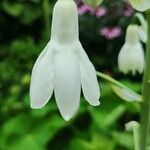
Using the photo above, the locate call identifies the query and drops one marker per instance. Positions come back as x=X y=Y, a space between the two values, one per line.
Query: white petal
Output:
x=39 y=58
x=140 y=5
x=67 y=83
x=126 y=63
x=142 y=34
x=41 y=87
x=89 y=81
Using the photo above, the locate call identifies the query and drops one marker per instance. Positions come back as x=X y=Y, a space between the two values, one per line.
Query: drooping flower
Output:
x=110 y=32
x=63 y=66
x=140 y=5
x=131 y=56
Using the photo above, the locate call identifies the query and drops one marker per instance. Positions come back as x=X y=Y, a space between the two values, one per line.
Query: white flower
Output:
x=143 y=28
x=140 y=5
x=63 y=66
x=131 y=56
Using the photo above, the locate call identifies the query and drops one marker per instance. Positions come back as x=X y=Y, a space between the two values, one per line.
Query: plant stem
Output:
x=111 y=80
x=145 y=106
x=46 y=10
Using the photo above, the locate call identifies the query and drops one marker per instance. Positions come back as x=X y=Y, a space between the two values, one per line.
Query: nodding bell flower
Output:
x=63 y=66
x=131 y=56
x=140 y=5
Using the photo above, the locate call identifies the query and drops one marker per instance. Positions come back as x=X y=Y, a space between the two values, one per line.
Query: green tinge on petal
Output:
x=140 y=5
x=93 y=3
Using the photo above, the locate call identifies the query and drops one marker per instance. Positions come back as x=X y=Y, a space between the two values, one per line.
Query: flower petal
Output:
x=89 y=81
x=67 y=83
x=140 y=5
x=41 y=87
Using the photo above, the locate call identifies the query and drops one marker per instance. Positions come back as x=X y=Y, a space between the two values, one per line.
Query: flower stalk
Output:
x=145 y=106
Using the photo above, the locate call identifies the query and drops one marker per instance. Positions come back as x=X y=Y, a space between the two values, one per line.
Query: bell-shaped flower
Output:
x=63 y=66
x=140 y=5
x=131 y=56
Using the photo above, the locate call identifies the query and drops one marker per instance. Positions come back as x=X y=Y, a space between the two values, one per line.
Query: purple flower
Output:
x=110 y=32
x=84 y=9
x=98 y=12
x=128 y=10
x=101 y=11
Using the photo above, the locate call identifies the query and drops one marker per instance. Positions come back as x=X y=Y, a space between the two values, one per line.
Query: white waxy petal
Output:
x=90 y=86
x=42 y=84
x=140 y=5
x=131 y=58
x=67 y=82
x=142 y=29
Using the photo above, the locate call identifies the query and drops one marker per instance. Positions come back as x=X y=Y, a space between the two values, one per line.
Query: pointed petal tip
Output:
x=66 y=117
x=97 y=103
x=36 y=106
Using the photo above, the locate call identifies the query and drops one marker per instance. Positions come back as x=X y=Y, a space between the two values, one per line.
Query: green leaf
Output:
x=123 y=139
x=29 y=16
x=26 y=142
x=93 y=3
x=126 y=94
x=114 y=115
x=97 y=142
x=12 y=8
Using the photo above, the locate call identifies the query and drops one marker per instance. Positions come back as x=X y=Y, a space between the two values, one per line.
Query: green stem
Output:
x=111 y=80
x=46 y=13
x=145 y=106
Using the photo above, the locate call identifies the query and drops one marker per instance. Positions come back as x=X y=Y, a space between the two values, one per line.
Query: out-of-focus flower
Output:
x=143 y=28
x=140 y=5
x=101 y=11
x=131 y=56
x=93 y=3
x=128 y=10
x=63 y=66
x=84 y=9
x=98 y=12
x=111 y=32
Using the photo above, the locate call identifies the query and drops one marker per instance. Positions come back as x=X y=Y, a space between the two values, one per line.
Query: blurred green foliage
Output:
x=24 y=31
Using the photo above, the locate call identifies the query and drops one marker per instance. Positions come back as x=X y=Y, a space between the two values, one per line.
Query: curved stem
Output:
x=110 y=79
x=145 y=106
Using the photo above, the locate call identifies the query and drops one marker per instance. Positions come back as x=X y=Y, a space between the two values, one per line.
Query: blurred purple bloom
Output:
x=128 y=10
x=98 y=12
x=84 y=9
x=111 y=32
x=101 y=11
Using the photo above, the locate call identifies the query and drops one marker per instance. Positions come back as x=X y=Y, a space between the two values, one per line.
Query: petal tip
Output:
x=66 y=117
x=96 y=103
x=36 y=106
